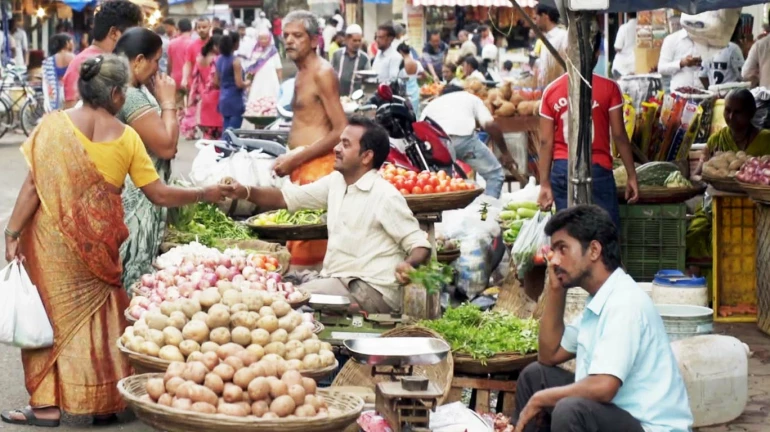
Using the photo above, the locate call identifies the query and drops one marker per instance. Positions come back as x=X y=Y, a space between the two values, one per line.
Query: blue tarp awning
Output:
x=79 y=5
x=687 y=6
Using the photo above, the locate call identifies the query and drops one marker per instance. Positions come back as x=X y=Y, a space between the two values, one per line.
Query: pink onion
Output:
x=172 y=294
x=195 y=277
x=161 y=285
x=135 y=312
x=222 y=272
x=203 y=284
x=272 y=286
x=295 y=296
x=186 y=269
x=224 y=260
x=148 y=280
x=165 y=277
x=186 y=289
x=248 y=271
x=274 y=276
x=200 y=267
x=211 y=278
x=173 y=270
x=155 y=299
x=179 y=280
x=143 y=302
x=210 y=262
x=253 y=278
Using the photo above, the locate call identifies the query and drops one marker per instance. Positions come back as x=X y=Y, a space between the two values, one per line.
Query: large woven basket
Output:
x=129 y=318
x=438 y=202
x=289 y=232
x=664 y=195
x=758 y=193
x=499 y=363
x=360 y=375
x=296 y=304
x=274 y=250
x=147 y=364
x=344 y=410
x=724 y=184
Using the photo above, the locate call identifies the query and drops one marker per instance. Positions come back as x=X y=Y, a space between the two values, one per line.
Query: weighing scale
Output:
x=344 y=320
x=406 y=400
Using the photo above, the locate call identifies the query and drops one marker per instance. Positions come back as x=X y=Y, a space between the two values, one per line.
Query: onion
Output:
x=186 y=269
x=195 y=277
x=148 y=280
x=173 y=271
x=262 y=280
x=161 y=285
x=172 y=294
x=155 y=300
x=143 y=302
x=288 y=285
x=765 y=181
x=224 y=260
x=135 y=312
x=178 y=280
x=766 y=172
x=248 y=271
x=274 y=276
x=211 y=278
x=186 y=289
x=238 y=279
x=203 y=284
x=210 y=262
x=222 y=272
x=253 y=278
x=307 y=317
x=272 y=286
x=165 y=277
x=200 y=268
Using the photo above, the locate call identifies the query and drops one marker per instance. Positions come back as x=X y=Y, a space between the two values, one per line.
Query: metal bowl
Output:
x=398 y=351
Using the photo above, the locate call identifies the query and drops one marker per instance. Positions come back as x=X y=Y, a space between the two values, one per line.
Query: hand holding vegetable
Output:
x=214 y=193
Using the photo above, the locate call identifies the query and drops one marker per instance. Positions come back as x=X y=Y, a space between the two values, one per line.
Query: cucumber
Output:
x=508 y=215
x=526 y=213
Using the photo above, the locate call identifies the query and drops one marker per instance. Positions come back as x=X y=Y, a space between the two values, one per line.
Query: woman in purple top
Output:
x=229 y=78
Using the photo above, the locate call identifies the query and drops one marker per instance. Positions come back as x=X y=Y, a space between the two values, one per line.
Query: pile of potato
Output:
x=725 y=164
x=224 y=322
x=237 y=384
x=505 y=101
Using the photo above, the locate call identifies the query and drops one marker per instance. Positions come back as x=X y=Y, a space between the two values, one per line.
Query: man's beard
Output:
x=576 y=282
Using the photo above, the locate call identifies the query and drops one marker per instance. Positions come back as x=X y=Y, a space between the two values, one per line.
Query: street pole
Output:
x=580 y=124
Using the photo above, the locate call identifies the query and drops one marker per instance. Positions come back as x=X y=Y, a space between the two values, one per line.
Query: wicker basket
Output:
x=438 y=202
x=724 y=184
x=147 y=364
x=664 y=195
x=296 y=304
x=344 y=410
x=758 y=193
x=360 y=375
x=289 y=232
x=129 y=318
x=448 y=256
x=499 y=363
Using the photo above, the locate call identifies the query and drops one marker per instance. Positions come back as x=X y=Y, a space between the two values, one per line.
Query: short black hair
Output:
x=185 y=25
x=434 y=33
x=333 y=22
x=746 y=98
x=586 y=223
x=483 y=28
x=217 y=31
x=121 y=14
x=169 y=21
x=389 y=29
x=471 y=61
x=507 y=65
x=210 y=44
x=552 y=12
x=375 y=138
x=228 y=43
x=403 y=48
x=58 y=42
x=139 y=41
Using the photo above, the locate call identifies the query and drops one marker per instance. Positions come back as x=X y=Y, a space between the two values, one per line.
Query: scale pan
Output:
x=398 y=351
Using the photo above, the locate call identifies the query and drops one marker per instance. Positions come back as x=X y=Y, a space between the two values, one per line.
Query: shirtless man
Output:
x=318 y=118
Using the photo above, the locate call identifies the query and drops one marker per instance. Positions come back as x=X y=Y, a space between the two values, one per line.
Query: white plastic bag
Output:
x=530 y=239
x=9 y=278
x=529 y=193
x=32 y=327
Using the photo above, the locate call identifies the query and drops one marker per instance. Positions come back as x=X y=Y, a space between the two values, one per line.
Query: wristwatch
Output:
x=12 y=234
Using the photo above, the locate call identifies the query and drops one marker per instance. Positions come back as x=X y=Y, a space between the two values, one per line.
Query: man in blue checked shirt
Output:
x=626 y=377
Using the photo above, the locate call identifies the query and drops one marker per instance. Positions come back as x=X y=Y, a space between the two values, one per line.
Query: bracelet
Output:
x=12 y=234
x=248 y=192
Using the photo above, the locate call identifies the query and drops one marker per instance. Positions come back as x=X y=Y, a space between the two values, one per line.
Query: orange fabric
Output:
x=310 y=253
x=72 y=250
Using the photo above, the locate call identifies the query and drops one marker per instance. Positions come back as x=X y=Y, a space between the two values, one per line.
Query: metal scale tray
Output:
x=398 y=351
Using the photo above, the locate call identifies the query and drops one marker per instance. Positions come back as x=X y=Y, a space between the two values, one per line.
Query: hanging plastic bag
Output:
x=33 y=328
x=9 y=277
x=476 y=238
x=530 y=239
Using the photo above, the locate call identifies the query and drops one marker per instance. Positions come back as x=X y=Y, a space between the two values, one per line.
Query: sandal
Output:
x=29 y=418
x=105 y=420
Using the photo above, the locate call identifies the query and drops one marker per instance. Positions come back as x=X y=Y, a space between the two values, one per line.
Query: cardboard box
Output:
x=646 y=59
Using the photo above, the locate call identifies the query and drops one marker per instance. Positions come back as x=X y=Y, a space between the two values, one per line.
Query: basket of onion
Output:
x=754 y=178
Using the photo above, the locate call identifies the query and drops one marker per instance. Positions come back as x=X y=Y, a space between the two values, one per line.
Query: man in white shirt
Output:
x=625 y=43
x=679 y=60
x=387 y=62
x=340 y=21
x=16 y=31
x=374 y=239
x=724 y=67
x=328 y=34
x=547 y=20
x=757 y=66
x=458 y=112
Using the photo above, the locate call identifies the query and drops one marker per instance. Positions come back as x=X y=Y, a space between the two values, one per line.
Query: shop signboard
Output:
x=415 y=23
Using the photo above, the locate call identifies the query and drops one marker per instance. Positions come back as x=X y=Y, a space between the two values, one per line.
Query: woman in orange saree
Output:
x=68 y=223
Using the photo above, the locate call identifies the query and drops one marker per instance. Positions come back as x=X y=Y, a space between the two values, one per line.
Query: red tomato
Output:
x=398 y=178
x=434 y=181
x=399 y=185
x=442 y=174
x=421 y=182
x=411 y=174
x=388 y=176
x=401 y=171
x=443 y=183
x=409 y=184
x=440 y=189
x=403 y=191
x=539 y=259
x=417 y=190
x=428 y=189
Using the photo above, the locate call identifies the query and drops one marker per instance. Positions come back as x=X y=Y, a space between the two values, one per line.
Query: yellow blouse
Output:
x=120 y=157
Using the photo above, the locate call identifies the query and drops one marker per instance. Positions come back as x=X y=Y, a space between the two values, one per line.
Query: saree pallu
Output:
x=71 y=245
x=310 y=253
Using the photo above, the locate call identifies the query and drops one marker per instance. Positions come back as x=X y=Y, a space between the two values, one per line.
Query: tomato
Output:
x=423 y=176
x=410 y=174
x=443 y=183
x=539 y=259
x=417 y=190
x=409 y=184
x=388 y=176
x=401 y=171
x=441 y=174
x=399 y=185
x=428 y=189
x=440 y=189
x=421 y=182
x=403 y=191
x=434 y=181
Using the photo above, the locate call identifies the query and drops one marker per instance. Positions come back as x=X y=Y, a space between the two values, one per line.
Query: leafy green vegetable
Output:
x=483 y=334
x=432 y=276
x=207 y=224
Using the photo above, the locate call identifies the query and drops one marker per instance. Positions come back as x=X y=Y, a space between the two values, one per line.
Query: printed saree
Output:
x=71 y=249
x=146 y=222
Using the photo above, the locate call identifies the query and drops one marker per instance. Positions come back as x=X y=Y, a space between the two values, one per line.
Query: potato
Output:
x=203 y=408
x=219 y=316
x=310 y=385
x=294 y=365
x=232 y=393
x=196 y=356
x=155 y=336
x=258 y=388
x=242 y=319
x=200 y=393
x=267 y=300
x=281 y=308
x=235 y=362
x=297 y=392
x=223 y=286
x=174 y=369
x=184 y=389
x=327 y=357
x=150 y=348
x=266 y=311
x=241 y=336
x=182 y=404
x=228 y=350
x=135 y=344
x=189 y=307
x=165 y=399
x=173 y=384
x=231 y=298
x=259 y=408
x=260 y=337
x=256 y=350
x=234 y=410
x=270 y=416
x=278 y=388
x=277 y=348
x=243 y=377
x=282 y=406
x=209 y=297
x=247 y=357
x=291 y=377
x=326 y=345
x=155 y=388
x=156 y=320
x=252 y=300
x=209 y=346
x=301 y=333
x=171 y=353
x=314 y=401
x=306 y=411
x=200 y=316
x=225 y=371
x=195 y=372
x=166 y=307
x=735 y=165
x=196 y=330
x=296 y=318
x=279 y=335
x=176 y=321
x=269 y=368
x=188 y=347
x=268 y=323
x=214 y=383
x=238 y=307
x=295 y=350
x=210 y=359
x=312 y=362
x=312 y=346
x=220 y=335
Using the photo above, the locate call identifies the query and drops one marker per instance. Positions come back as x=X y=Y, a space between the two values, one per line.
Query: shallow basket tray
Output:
x=147 y=364
x=757 y=193
x=344 y=410
x=448 y=256
x=289 y=232
x=499 y=363
x=664 y=195
x=724 y=184
x=296 y=304
x=360 y=375
x=438 y=202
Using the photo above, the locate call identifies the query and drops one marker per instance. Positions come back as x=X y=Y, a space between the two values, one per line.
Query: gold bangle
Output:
x=12 y=234
x=248 y=192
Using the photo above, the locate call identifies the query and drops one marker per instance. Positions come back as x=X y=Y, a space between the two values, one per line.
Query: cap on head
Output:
x=354 y=29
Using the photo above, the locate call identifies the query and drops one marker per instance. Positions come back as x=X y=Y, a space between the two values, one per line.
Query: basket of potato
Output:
x=720 y=170
x=226 y=325
x=235 y=395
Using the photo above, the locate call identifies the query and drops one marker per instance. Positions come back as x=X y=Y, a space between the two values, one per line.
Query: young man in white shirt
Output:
x=724 y=67
x=680 y=60
x=757 y=66
x=387 y=62
x=625 y=43
x=547 y=20
x=458 y=112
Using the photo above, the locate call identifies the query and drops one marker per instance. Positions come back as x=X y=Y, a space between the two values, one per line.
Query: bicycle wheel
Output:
x=6 y=117
x=31 y=112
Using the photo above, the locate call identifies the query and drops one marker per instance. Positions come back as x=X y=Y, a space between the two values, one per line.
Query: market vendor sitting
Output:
x=626 y=376
x=369 y=222
x=740 y=134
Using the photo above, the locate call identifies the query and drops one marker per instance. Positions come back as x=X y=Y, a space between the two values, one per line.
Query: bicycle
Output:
x=29 y=103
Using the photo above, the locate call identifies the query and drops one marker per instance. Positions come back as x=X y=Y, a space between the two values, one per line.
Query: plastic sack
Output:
x=9 y=278
x=32 y=328
x=529 y=193
x=713 y=28
x=531 y=238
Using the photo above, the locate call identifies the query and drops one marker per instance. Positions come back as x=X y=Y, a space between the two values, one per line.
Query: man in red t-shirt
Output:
x=110 y=21
x=177 y=49
x=203 y=29
x=278 y=32
x=607 y=115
